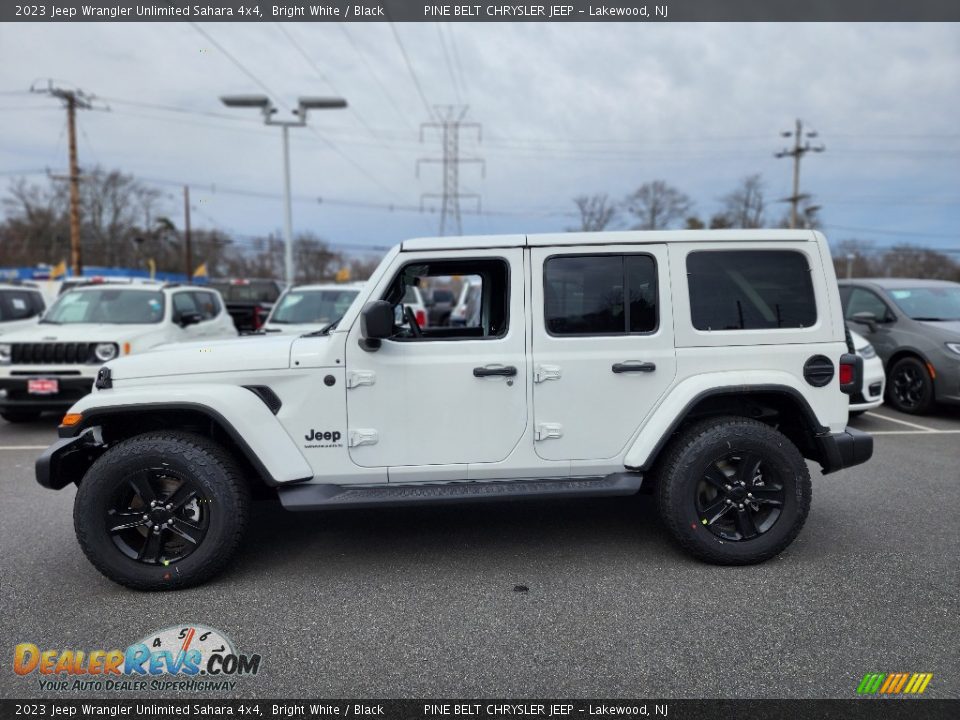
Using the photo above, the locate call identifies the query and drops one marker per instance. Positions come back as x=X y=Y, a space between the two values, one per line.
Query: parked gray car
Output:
x=914 y=325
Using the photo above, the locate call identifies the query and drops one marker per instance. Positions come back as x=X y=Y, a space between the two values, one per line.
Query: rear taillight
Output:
x=851 y=373
x=421 y=318
x=846 y=374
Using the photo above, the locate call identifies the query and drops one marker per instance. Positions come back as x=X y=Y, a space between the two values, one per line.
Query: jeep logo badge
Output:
x=321 y=435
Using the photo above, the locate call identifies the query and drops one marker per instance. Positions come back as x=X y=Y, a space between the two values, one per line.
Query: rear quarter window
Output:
x=750 y=290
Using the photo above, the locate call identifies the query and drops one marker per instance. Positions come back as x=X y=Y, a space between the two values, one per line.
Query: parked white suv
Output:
x=306 y=308
x=704 y=366
x=52 y=364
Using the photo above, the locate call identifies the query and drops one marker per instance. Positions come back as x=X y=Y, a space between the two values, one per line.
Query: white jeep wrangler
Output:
x=704 y=366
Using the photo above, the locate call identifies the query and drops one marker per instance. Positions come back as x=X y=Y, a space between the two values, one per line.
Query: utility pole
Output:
x=450 y=123
x=800 y=148
x=72 y=100
x=187 y=240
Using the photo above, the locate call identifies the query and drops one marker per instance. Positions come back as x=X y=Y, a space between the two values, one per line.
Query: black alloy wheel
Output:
x=910 y=387
x=738 y=498
x=159 y=516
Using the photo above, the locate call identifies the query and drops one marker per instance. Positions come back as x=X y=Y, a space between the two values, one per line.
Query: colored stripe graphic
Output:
x=894 y=683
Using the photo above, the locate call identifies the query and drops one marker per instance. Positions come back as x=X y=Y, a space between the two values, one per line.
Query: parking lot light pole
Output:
x=262 y=103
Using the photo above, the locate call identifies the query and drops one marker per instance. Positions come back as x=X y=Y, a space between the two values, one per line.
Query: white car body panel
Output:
x=873 y=373
x=248 y=415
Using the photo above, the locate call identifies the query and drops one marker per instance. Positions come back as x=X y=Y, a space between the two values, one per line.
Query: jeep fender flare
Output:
x=240 y=413
x=656 y=430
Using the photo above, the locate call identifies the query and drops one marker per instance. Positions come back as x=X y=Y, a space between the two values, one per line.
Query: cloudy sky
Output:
x=566 y=109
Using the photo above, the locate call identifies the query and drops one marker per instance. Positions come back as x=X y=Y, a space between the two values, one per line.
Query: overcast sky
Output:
x=565 y=108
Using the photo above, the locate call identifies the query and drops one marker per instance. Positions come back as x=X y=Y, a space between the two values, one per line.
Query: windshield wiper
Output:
x=279 y=322
x=929 y=319
x=50 y=322
x=322 y=331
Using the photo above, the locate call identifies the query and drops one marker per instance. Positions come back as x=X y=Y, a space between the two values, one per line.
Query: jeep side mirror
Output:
x=866 y=318
x=376 y=324
x=189 y=318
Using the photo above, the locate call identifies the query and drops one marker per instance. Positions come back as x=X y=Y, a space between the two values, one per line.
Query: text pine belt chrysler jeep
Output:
x=704 y=366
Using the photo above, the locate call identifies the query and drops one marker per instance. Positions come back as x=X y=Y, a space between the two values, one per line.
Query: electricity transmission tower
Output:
x=450 y=121
x=801 y=147
x=72 y=101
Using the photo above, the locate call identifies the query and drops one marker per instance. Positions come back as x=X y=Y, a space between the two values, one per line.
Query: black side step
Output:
x=321 y=497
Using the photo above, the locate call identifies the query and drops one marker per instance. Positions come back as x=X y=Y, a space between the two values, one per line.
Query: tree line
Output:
x=658 y=205
x=125 y=222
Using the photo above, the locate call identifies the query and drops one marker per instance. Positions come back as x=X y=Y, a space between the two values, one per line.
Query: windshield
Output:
x=312 y=306
x=249 y=291
x=929 y=303
x=107 y=305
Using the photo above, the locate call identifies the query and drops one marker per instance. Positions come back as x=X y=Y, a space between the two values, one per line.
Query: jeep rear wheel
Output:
x=733 y=491
x=161 y=511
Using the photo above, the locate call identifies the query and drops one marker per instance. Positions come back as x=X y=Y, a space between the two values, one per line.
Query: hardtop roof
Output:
x=624 y=237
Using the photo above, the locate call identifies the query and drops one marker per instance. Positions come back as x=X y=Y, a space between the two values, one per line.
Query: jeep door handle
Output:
x=506 y=370
x=633 y=366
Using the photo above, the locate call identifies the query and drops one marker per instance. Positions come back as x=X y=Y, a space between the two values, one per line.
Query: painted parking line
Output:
x=24 y=447
x=914 y=432
x=902 y=422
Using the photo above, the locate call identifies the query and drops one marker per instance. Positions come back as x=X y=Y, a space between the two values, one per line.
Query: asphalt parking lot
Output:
x=423 y=602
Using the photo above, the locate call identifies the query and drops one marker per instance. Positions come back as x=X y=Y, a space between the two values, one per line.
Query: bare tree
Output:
x=746 y=205
x=919 y=262
x=656 y=205
x=597 y=212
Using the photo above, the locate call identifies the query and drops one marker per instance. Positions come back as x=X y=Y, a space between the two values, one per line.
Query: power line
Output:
x=905 y=233
x=456 y=57
x=326 y=141
x=413 y=73
x=373 y=73
x=446 y=61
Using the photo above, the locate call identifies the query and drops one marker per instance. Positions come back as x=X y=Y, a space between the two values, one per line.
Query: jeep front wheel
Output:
x=733 y=491
x=161 y=511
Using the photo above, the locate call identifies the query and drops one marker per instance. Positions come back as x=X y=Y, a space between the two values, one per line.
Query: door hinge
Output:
x=363 y=436
x=360 y=377
x=546 y=372
x=545 y=431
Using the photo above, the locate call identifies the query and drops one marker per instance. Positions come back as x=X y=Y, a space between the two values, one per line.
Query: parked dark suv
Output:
x=914 y=325
x=248 y=301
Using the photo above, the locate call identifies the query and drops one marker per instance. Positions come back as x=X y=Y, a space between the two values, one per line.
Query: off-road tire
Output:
x=20 y=416
x=683 y=464
x=918 y=368
x=206 y=463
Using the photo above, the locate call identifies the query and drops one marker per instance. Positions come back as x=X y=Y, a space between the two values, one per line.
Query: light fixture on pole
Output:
x=267 y=109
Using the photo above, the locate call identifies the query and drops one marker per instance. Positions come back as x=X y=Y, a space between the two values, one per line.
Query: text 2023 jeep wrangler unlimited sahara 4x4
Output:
x=706 y=364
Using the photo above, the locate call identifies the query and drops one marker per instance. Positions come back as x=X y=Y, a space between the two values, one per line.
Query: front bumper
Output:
x=67 y=459
x=846 y=449
x=14 y=395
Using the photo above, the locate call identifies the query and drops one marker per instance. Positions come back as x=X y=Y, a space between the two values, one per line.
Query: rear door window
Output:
x=750 y=290
x=600 y=294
